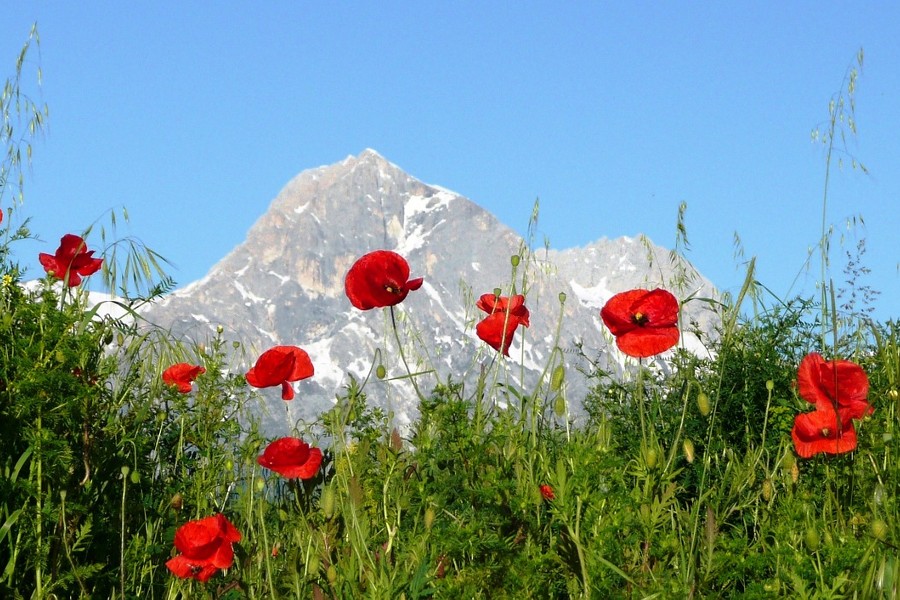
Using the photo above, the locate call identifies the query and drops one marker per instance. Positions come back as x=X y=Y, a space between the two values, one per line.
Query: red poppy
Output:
x=504 y=316
x=205 y=546
x=820 y=430
x=181 y=375
x=291 y=457
x=379 y=279
x=72 y=260
x=837 y=383
x=279 y=366
x=547 y=492
x=644 y=322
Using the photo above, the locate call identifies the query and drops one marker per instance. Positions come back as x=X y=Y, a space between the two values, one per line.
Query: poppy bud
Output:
x=229 y=465
x=260 y=484
x=219 y=329
x=812 y=539
x=125 y=470
x=514 y=259
x=767 y=490
x=770 y=385
x=380 y=371
x=559 y=406
x=331 y=574
x=328 y=502
x=429 y=518
x=313 y=564
x=235 y=344
x=177 y=501
x=688 y=447
x=497 y=291
x=135 y=477
x=879 y=529
x=893 y=394
x=650 y=457
x=120 y=339
x=703 y=403
x=557 y=378
x=562 y=297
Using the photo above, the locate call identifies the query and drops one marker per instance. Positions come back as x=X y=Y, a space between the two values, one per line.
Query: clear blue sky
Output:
x=611 y=113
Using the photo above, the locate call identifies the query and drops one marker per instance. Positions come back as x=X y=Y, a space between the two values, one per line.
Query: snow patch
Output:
x=591 y=297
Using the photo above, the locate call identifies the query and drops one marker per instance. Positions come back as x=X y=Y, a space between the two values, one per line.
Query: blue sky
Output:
x=194 y=115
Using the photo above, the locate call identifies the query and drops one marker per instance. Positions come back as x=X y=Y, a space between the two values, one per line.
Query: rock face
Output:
x=285 y=285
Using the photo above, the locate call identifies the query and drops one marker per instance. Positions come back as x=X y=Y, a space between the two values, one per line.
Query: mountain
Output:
x=285 y=285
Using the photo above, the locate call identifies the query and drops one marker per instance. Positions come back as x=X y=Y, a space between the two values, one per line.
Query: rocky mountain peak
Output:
x=284 y=283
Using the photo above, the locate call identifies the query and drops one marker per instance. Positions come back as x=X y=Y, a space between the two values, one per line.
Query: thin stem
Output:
x=412 y=378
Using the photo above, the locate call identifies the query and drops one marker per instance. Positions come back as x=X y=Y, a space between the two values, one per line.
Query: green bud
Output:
x=219 y=329
x=559 y=406
x=125 y=470
x=229 y=465
x=557 y=378
x=331 y=574
x=703 y=403
x=429 y=518
x=770 y=385
x=879 y=529
x=688 y=447
x=514 y=259
x=380 y=372
x=497 y=292
x=327 y=502
x=235 y=344
x=312 y=564
x=812 y=539
x=562 y=297
x=260 y=484
x=135 y=477
x=767 y=489
x=650 y=457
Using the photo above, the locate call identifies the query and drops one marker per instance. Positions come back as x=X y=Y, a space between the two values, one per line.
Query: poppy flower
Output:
x=72 y=260
x=280 y=366
x=821 y=430
x=504 y=316
x=181 y=375
x=547 y=492
x=836 y=383
x=379 y=279
x=644 y=322
x=291 y=457
x=205 y=547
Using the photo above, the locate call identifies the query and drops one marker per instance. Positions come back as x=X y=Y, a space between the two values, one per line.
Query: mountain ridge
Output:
x=284 y=285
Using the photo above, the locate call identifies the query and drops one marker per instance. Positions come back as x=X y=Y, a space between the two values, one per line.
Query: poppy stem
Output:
x=412 y=378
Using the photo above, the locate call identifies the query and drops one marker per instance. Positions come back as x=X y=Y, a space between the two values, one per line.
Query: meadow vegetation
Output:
x=681 y=480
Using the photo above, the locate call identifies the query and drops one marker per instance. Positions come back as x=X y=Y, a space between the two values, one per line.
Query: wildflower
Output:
x=379 y=279
x=280 y=366
x=181 y=375
x=205 y=547
x=504 y=316
x=291 y=458
x=644 y=322
x=834 y=384
x=547 y=492
x=72 y=260
x=821 y=430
